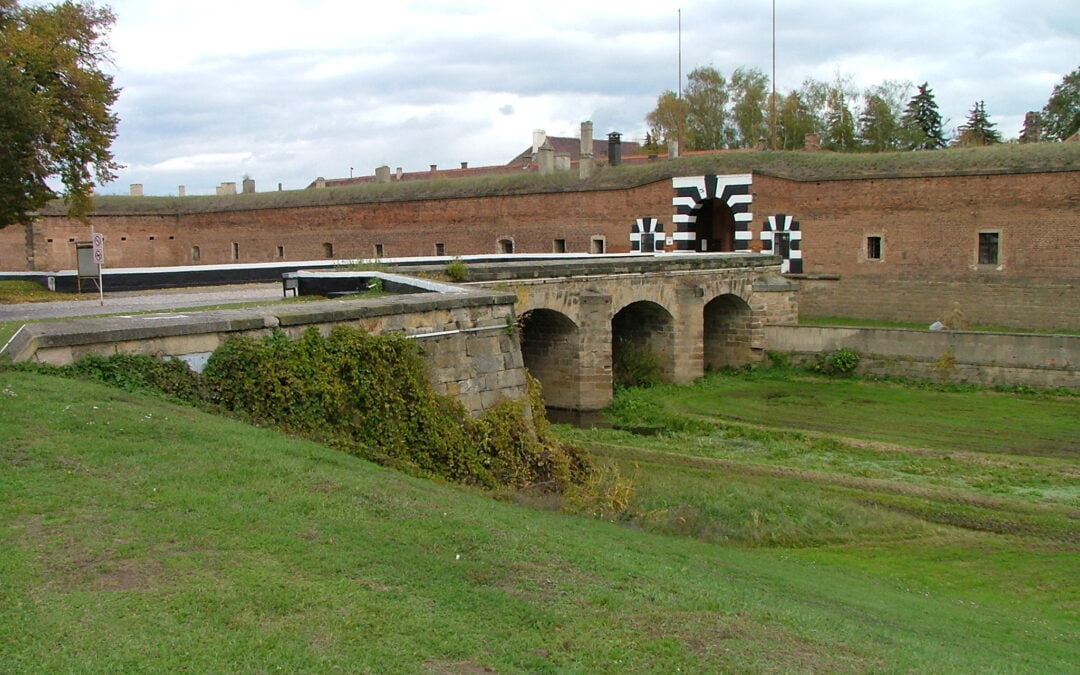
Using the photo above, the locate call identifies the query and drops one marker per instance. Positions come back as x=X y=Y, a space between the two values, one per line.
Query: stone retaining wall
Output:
x=959 y=356
x=467 y=337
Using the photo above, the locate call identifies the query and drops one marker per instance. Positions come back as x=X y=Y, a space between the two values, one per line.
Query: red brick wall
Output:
x=929 y=229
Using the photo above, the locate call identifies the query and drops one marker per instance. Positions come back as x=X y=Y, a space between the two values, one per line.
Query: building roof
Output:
x=572 y=146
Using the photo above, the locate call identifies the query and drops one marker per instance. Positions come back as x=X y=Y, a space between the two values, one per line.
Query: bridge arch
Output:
x=551 y=348
x=729 y=325
x=642 y=339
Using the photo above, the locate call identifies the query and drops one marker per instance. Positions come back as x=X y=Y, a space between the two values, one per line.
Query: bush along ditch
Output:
x=368 y=396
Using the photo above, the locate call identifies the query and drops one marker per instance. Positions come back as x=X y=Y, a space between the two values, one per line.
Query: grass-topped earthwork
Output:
x=138 y=534
x=794 y=165
x=15 y=292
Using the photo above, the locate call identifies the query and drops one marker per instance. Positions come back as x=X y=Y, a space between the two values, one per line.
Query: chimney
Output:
x=614 y=148
x=399 y=173
x=320 y=183
x=464 y=165
x=382 y=174
x=585 y=162
x=434 y=168
x=546 y=159
x=539 y=136
x=249 y=186
x=673 y=148
x=182 y=191
x=136 y=190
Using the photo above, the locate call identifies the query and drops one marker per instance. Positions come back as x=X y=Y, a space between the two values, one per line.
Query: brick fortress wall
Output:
x=929 y=230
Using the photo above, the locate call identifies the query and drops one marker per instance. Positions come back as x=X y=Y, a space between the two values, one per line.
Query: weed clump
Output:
x=457 y=270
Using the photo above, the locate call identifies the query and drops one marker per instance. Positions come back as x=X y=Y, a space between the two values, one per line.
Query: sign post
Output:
x=98 y=241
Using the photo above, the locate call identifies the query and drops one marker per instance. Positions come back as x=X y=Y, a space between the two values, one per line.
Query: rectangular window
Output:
x=328 y=249
x=235 y=251
x=506 y=246
x=281 y=251
x=440 y=249
x=196 y=254
x=558 y=246
x=378 y=250
x=596 y=245
x=873 y=248
x=989 y=248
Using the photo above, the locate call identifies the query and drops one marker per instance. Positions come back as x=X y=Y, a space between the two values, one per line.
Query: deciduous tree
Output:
x=668 y=120
x=55 y=109
x=749 y=95
x=1061 y=115
x=707 y=126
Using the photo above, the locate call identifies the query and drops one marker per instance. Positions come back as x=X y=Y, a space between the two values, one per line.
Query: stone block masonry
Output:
x=468 y=349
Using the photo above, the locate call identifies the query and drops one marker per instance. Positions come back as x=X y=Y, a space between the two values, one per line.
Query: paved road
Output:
x=142 y=301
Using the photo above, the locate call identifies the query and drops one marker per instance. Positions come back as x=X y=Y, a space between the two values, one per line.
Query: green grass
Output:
x=803 y=166
x=17 y=292
x=136 y=534
x=966 y=420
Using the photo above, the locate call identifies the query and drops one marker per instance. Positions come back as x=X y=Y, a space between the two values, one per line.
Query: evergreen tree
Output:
x=878 y=126
x=922 y=121
x=978 y=130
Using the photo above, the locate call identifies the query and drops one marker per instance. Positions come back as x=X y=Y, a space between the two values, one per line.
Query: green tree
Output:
x=879 y=123
x=978 y=129
x=55 y=108
x=749 y=96
x=922 y=121
x=839 y=132
x=1033 y=128
x=1061 y=115
x=668 y=120
x=707 y=126
x=878 y=126
x=795 y=121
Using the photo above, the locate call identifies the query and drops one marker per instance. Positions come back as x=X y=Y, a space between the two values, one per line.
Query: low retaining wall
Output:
x=470 y=349
x=959 y=356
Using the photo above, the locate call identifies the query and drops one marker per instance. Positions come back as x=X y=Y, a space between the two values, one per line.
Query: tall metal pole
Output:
x=772 y=103
x=680 y=53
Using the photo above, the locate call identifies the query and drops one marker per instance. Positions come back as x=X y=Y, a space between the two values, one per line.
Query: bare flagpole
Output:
x=680 y=52
x=772 y=105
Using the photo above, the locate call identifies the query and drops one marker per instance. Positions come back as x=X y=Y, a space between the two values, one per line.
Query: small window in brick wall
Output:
x=440 y=249
x=328 y=250
x=196 y=254
x=873 y=248
x=558 y=246
x=506 y=246
x=235 y=251
x=280 y=251
x=378 y=250
x=597 y=245
x=989 y=248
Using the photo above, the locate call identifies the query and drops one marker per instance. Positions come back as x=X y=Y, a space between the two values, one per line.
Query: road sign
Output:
x=99 y=248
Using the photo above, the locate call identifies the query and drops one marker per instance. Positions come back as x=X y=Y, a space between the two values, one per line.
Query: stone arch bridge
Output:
x=580 y=320
x=570 y=321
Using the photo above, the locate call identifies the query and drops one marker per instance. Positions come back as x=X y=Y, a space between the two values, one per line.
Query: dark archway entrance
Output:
x=729 y=327
x=550 y=348
x=642 y=344
x=715 y=226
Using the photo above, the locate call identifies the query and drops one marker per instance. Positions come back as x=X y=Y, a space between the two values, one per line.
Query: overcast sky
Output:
x=285 y=91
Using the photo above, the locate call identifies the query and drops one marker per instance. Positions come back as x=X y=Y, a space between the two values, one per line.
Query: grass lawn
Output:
x=924 y=325
x=136 y=534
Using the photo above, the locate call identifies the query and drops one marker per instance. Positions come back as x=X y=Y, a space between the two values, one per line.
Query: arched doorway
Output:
x=728 y=336
x=715 y=226
x=642 y=344
x=550 y=349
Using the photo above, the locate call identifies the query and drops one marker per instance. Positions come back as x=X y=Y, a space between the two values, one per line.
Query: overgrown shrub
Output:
x=636 y=366
x=457 y=270
x=136 y=371
x=842 y=361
